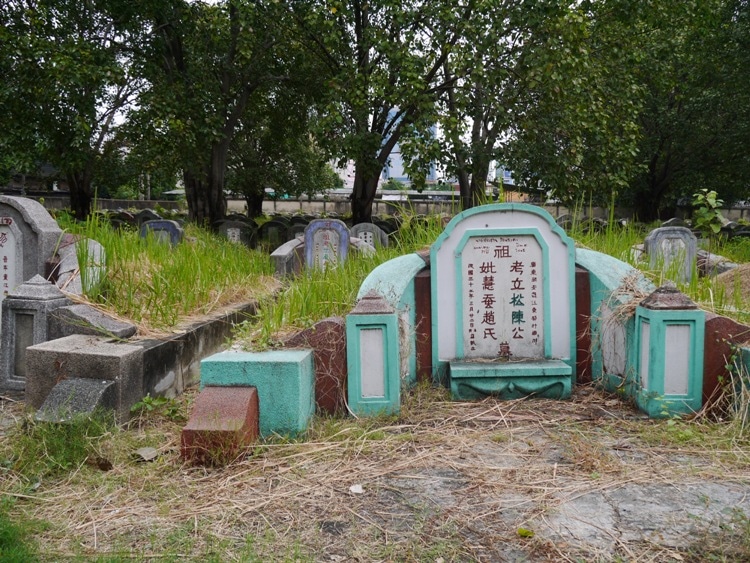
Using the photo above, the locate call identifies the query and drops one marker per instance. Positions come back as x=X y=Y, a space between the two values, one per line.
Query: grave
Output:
x=68 y=274
x=145 y=215
x=28 y=238
x=672 y=249
x=274 y=233
x=503 y=304
x=370 y=233
x=163 y=231
x=239 y=232
x=326 y=243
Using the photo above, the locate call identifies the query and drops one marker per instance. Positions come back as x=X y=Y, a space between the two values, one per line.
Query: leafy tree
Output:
x=383 y=61
x=207 y=62
x=695 y=121
x=66 y=78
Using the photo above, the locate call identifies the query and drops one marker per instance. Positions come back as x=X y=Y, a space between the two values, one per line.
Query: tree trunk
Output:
x=363 y=195
x=254 y=200
x=205 y=191
x=80 y=194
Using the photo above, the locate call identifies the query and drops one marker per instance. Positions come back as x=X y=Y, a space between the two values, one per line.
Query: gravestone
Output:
x=326 y=243
x=69 y=274
x=145 y=215
x=674 y=222
x=297 y=230
x=28 y=238
x=672 y=249
x=240 y=232
x=274 y=233
x=503 y=303
x=163 y=231
x=371 y=234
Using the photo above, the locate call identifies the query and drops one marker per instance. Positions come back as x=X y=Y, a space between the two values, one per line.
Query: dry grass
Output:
x=443 y=479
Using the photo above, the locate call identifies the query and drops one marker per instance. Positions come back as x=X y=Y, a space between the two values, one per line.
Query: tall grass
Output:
x=155 y=284
x=332 y=291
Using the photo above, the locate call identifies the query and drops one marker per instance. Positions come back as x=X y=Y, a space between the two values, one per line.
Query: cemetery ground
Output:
x=588 y=479
x=585 y=479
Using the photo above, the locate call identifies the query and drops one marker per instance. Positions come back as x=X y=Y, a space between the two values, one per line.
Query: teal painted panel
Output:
x=285 y=380
x=380 y=363
x=512 y=380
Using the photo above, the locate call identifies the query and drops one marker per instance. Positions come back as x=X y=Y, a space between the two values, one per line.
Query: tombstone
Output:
x=672 y=248
x=28 y=238
x=371 y=234
x=239 y=232
x=326 y=243
x=274 y=233
x=145 y=215
x=69 y=274
x=163 y=231
x=674 y=222
x=122 y=219
x=296 y=231
x=503 y=304
x=565 y=221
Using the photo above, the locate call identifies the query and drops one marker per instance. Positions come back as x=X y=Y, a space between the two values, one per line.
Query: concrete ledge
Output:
x=284 y=380
x=224 y=421
x=76 y=396
x=550 y=379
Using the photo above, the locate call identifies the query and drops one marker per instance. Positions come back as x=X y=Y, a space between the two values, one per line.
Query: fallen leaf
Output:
x=146 y=454
x=524 y=533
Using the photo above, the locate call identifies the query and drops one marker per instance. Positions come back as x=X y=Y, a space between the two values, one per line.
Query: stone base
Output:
x=551 y=379
x=223 y=422
x=76 y=396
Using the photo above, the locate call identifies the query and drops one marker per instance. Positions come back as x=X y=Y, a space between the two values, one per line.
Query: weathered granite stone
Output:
x=77 y=396
x=370 y=233
x=25 y=314
x=84 y=319
x=68 y=273
x=672 y=245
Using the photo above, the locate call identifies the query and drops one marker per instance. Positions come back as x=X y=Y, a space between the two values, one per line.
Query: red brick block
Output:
x=327 y=339
x=721 y=335
x=224 y=421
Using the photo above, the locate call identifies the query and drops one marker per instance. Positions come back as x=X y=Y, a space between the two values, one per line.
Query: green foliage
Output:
x=14 y=543
x=168 y=407
x=46 y=449
x=707 y=216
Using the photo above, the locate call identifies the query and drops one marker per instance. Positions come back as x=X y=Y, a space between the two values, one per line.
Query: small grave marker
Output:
x=371 y=234
x=669 y=245
x=326 y=242
x=163 y=231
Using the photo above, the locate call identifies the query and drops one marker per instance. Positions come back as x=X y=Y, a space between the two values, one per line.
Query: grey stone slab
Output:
x=289 y=257
x=85 y=357
x=75 y=278
x=146 y=215
x=77 y=396
x=84 y=319
x=240 y=232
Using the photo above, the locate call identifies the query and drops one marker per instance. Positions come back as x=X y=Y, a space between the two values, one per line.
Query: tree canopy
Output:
x=631 y=102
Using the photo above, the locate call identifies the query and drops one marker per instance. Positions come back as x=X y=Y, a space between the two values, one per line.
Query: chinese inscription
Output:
x=503 y=297
x=325 y=247
x=7 y=257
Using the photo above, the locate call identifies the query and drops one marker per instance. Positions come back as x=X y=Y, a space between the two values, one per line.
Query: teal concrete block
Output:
x=285 y=380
